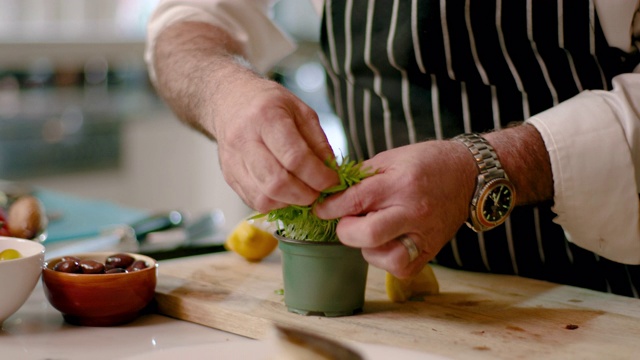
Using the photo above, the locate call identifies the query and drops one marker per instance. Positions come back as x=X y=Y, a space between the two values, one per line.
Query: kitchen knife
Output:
x=292 y=344
x=125 y=238
x=205 y=234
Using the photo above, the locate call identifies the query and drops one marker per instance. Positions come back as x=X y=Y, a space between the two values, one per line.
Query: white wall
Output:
x=165 y=166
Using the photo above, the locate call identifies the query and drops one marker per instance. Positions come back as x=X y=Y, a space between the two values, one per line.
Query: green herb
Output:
x=300 y=223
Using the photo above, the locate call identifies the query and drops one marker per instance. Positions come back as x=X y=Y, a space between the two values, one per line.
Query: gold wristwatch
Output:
x=494 y=196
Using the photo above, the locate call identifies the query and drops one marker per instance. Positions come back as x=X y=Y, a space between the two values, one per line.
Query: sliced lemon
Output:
x=10 y=254
x=251 y=240
x=418 y=286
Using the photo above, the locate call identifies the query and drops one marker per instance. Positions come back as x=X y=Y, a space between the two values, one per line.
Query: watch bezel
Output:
x=481 y=223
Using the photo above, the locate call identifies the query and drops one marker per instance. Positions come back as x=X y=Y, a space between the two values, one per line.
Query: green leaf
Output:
x=299 y=223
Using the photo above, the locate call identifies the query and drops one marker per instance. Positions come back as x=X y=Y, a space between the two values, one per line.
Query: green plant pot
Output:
x=325 y=279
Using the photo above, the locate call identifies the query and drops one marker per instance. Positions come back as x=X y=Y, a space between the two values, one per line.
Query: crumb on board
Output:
x=481 y=348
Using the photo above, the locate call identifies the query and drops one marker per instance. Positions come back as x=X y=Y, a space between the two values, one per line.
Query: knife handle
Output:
x=157 y=222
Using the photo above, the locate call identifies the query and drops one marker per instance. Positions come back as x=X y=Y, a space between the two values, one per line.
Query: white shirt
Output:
x=595 y=155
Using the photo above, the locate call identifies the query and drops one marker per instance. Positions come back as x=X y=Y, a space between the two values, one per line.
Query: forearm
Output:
x=592 y=141
x=193 y=63
x=524 y=157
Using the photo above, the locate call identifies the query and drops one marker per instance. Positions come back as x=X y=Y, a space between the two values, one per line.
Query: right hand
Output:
x=272 y=148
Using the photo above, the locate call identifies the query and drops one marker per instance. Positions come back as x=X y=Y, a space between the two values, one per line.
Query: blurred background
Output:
x=78 y=114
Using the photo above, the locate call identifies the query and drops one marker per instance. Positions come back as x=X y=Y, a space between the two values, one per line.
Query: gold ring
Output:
x=411 y=247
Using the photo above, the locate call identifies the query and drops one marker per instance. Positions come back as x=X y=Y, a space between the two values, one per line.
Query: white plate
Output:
x=260 y=350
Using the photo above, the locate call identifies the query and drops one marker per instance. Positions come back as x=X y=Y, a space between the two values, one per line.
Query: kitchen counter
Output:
x=475 y=316
x=37 y=331
x=227 y=306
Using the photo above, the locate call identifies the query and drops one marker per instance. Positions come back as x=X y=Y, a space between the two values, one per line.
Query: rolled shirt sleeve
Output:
x=593 y=140
x=247 y=21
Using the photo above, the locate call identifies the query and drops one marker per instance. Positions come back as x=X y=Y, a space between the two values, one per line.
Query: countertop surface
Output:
x=37 y=331
x=475 y=316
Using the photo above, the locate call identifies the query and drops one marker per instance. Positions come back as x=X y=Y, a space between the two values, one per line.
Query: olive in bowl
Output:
x=20 y=268
x=100 y=288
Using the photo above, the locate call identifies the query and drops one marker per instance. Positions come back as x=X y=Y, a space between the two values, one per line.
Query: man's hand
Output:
x=420 y=190
x=423 y=191
x=272 y=149
x=271 y=146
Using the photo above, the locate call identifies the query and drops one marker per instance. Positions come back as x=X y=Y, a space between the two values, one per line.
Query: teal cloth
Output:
x=76 y=217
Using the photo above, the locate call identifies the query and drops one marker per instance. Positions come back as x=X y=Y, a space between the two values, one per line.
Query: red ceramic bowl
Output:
x=100 y=299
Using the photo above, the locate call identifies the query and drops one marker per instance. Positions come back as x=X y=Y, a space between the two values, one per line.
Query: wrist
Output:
x=494 y=194
x=524 y=158
x=467 y=171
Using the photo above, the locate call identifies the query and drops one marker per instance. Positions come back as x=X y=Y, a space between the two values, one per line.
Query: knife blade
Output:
x=293 y=344
x=204 y=234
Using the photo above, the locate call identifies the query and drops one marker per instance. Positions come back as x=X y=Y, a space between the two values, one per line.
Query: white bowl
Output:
x=18 y=277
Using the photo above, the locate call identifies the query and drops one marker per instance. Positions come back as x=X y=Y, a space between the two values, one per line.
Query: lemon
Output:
x=420 y=285
x=10 y=254
x=251 y=240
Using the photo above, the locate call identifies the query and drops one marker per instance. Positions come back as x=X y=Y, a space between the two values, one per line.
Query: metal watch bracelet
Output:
x=490 y=171
x=484 y=155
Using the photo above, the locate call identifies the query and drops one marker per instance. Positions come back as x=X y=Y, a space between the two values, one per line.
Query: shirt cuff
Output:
x=262 y=40
x=596 y=196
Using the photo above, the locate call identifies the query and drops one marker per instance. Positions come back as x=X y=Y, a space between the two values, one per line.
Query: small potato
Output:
x=26 y=217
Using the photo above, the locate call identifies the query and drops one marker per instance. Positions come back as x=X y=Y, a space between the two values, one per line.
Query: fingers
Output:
x=373 y=229
x=268 y=156
x=394 y=258
x=278 y=183
x=414 y=193
x=262 y=182
x=366 y=196
x=314 y=135
x=381 y=243
x=293 y=152
x=378 y=234
x=251 y=195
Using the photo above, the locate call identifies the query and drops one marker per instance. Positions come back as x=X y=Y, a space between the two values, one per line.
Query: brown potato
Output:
x=26 y=217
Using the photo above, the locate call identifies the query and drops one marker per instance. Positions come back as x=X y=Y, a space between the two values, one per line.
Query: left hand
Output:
x=421 y=190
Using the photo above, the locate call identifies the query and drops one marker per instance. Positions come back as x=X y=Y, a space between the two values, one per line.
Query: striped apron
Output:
x=404 y=71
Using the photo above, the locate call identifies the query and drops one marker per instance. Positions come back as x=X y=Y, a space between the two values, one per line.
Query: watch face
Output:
x=496 y=203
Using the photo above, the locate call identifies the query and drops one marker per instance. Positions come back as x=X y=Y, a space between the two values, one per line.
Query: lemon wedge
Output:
x=252 y=240
x=10 y=254
x=420 y=285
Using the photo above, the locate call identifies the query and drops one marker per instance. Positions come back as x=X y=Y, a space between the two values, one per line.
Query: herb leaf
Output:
x=300 y=223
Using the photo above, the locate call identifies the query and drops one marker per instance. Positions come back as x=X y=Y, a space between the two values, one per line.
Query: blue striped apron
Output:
x=405 y=71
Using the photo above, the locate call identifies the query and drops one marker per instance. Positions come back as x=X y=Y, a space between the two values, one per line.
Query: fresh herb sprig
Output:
x=300 y=223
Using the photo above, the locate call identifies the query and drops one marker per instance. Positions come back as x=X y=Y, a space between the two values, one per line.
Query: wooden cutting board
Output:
x=475 y=316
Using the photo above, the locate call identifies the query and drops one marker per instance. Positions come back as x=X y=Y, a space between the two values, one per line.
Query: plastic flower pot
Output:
x=322 y=278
